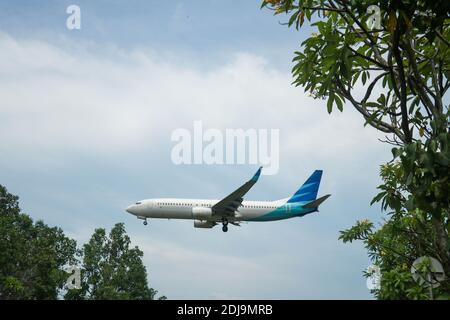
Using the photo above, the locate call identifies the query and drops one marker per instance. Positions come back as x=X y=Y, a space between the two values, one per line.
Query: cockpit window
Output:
x=138 y=202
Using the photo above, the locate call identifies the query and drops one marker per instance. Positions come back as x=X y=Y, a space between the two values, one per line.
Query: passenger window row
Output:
x=209 y=205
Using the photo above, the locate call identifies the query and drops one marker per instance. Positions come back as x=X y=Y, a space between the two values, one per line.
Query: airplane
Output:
x=233 y=209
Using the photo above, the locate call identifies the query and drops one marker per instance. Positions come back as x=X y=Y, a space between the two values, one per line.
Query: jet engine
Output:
x=201 y=213
x=204 y=224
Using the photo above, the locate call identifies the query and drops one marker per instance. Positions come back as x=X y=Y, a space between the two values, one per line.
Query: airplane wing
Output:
x=228 y=205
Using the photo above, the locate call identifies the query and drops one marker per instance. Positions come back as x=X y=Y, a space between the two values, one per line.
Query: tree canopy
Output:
x=32 y=254
x=34 y=258
x=390 y=61
x=402 y=67
x=111 y=269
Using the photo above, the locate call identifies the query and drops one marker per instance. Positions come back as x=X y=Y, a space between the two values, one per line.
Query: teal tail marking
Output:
x=301 y=203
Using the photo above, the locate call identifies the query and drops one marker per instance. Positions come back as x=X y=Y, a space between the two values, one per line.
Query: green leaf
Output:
x=339 y=103
x=293 y=17
x=330 y=103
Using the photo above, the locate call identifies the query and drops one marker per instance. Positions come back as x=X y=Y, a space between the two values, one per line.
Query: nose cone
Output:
x=129 y=209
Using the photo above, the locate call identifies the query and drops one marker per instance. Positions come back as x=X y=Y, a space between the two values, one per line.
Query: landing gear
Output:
x=145 y=222
x=224 y=225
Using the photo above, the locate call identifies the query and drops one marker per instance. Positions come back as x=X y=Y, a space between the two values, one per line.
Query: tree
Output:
x=407 y=235
x=32 y=255
x=396 y=75
x=111 y=269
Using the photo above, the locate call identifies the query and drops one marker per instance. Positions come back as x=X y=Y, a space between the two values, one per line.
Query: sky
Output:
x=86 y=118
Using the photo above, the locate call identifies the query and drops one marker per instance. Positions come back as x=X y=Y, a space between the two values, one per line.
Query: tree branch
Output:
x=371 y=42
x=371 y=86
x=376 y=123
x=384 y=67
x=442 y=38
x=435 y=81
x=417 y=80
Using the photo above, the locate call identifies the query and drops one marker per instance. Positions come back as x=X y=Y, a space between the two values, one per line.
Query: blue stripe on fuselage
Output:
x=286 y=211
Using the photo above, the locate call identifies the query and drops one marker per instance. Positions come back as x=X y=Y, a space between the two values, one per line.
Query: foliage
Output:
x=111 y=269
x=417 y=188
x=396 y=75
x=32 y=255
x=407 y=58
x=393 y=248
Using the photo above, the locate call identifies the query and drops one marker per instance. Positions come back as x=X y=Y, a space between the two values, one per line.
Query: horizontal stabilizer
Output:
x=316 y=203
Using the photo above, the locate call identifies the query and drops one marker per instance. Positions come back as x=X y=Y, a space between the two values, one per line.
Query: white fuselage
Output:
x=199 y=209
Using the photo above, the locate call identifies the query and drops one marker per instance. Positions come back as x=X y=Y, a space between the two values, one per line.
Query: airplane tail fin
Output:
x=308 y=191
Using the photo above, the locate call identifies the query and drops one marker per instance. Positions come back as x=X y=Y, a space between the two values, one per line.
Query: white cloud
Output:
x=200 y=273
x=109 y=103
x=55 y=98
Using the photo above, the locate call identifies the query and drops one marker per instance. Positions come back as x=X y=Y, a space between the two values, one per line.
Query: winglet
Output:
x=256 y=176
x=314 y=204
